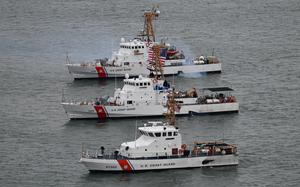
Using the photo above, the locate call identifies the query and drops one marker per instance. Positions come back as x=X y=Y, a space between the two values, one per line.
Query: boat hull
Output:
x=131 y=165
x=79 y=71
x=85 y=111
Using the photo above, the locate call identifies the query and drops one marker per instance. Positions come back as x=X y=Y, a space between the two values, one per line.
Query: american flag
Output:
x=151 y=54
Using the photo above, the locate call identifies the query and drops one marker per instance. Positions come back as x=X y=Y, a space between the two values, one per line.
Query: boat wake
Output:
x=192 y=75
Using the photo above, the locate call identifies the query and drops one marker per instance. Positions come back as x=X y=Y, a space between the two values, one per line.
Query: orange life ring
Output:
x=147 y=44
x=183 y=146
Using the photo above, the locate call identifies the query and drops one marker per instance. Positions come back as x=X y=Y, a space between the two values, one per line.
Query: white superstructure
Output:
x=147 y=97
x=160 y=147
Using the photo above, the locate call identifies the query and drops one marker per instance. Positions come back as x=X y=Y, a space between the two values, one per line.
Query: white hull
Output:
x=79 y=71
x=129 y=165
x=81 y=111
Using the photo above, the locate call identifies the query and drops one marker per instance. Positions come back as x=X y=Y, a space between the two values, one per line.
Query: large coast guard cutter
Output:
x=134 y=58
x=160 y=147
x=145 y=96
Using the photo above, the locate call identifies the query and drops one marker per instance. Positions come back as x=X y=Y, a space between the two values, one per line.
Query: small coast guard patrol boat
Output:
x=145 y=96
x=134 y=58
x=160 y=147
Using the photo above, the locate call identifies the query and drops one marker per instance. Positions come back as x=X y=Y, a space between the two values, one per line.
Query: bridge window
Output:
x=157 y=134
x=169 y=133
x=126 y=63
x=175 y=133
x=151 y=134
x=129 y=102
x=164 y=134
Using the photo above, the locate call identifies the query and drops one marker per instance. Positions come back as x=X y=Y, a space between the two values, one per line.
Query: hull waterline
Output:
x=131 y=165
x=89 y=111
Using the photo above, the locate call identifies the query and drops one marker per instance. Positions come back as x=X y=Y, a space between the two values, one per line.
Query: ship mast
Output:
x=157 y=64
x=148 y=32
x=172 y=107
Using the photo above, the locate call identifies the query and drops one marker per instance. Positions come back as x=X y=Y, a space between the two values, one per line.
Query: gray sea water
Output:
x=257 y=41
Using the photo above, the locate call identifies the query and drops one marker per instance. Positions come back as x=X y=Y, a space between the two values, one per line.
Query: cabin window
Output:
x=129 y=102
x=145 y=149
x=141 y=84
x=169 y=133
x=139 y=47
x=143 y=47
x=174 y=151
x=126 y=63
x=157 y=134
x=145 y=84
x=175 y=133
x=135 y=47
x=137 y=84
x=148 y=83
x=151 y=134
x=164 y=134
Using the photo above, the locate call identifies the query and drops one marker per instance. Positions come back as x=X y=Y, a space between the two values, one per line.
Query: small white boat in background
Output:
x=160 y=147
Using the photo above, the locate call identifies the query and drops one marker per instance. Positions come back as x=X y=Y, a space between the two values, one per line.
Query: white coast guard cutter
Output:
x=134 y=56
x=143 y=96
x=160 y=147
